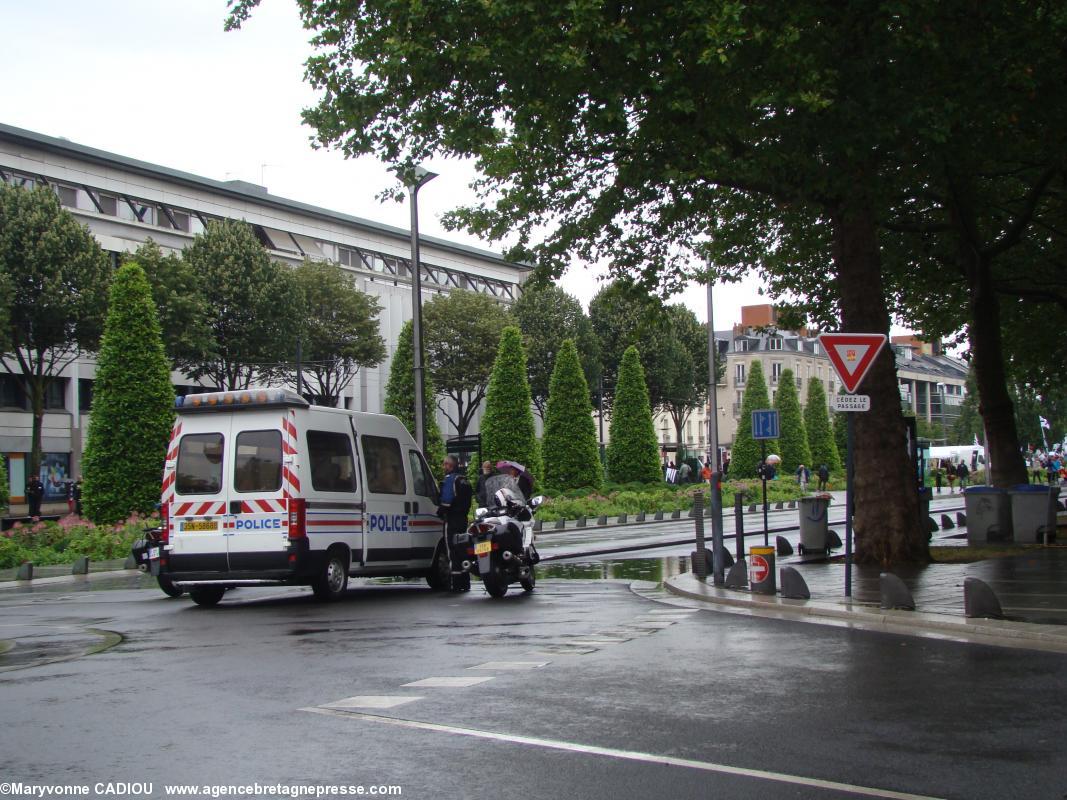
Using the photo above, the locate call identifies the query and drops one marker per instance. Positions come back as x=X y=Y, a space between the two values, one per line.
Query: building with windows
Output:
x=932 y=384
x=124 y=202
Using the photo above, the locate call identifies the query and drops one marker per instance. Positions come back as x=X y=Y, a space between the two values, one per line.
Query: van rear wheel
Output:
x=440 y=570
x=332 y=581
x=168 y=587
x=207 y=596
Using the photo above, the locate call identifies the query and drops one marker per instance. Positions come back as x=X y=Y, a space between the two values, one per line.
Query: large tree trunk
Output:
x=887 y=525
x=994 y=403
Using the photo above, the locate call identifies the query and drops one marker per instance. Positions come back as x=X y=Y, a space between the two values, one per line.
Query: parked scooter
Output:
x=147 y=550
x=499 y=543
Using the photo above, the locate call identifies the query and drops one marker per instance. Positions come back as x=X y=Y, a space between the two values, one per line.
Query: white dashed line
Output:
x=512 y=665
x=373 y=701
x=448 y=682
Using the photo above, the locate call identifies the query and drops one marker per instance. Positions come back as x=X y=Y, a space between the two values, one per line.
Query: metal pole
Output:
x=415 y=180
x=718 y=567
x=739 y=525
x=848 y=502
x=763 y=472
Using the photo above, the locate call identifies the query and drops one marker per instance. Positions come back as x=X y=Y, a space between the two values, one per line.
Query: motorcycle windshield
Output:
x=494 y=483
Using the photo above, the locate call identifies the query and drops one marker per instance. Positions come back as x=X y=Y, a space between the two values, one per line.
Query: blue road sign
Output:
x=765 y=424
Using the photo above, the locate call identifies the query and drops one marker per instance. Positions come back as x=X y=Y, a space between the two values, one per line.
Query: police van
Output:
x=261 y=488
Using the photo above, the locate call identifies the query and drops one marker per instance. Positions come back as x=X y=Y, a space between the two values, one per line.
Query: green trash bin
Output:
x=1033 y=513
x=988 y=514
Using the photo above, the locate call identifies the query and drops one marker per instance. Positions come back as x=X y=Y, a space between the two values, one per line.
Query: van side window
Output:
x=385 y=470
x=425 y=485
x=332 y=465
x=199 y=469
x=257 y=466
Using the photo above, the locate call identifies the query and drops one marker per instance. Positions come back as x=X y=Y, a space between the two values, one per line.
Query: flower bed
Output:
x=72 y=537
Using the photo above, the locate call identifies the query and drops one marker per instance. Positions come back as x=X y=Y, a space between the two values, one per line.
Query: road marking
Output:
x=627 y=755
x=506 y=665
x=372 y=701
x=447 y=682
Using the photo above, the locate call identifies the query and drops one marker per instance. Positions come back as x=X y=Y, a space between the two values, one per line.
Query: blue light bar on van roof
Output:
x=239 y=400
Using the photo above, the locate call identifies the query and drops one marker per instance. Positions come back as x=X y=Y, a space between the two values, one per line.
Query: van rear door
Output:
x=198 y=508
x=258 y=518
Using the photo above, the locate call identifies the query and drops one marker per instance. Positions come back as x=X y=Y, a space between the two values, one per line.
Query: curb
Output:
x=999 y=633
x=119 y=573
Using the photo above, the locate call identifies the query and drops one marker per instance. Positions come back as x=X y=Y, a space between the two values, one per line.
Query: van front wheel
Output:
x=332 y=580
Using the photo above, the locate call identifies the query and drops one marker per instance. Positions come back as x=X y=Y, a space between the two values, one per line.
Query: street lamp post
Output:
x=415 y=178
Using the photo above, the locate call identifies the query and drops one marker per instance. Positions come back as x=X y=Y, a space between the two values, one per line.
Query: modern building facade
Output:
x=125 y=202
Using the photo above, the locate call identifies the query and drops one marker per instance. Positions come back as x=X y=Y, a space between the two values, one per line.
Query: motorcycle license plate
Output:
x=482 y=548
x=153 y=553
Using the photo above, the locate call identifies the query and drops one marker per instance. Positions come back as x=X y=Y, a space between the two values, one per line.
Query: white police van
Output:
x=261 y=488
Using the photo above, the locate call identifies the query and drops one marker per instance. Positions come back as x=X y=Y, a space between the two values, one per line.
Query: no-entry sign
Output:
x=852 y=354
x=758 y=569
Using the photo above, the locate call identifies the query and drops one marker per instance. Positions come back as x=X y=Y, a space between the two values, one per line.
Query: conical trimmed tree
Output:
x=508 y=431
x=793 y=444
x=400 y=398
x=571 y=453
x=745 y=452
x=820 y=432
x=133 y=406
x=633 y=453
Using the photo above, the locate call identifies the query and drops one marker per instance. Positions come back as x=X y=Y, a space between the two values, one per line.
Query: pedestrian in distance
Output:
x=937 y=478
x=950 y=473
x=803 y=476
x=76 y=492
x=34 y=495
x=963 y=473
x=480 y=489
x=684 y=471
x=705 y=472
x=824 y=477
x=455 y=505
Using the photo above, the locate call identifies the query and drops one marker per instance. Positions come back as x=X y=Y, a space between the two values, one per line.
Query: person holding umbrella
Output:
x=523 y=479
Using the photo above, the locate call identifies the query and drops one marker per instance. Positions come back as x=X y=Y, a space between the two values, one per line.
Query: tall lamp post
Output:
x=415 y=178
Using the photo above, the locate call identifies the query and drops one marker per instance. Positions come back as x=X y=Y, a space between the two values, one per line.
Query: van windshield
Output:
x=199 y=469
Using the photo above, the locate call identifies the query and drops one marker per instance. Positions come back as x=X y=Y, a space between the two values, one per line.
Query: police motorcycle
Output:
x=145 y=551
x=499 y=543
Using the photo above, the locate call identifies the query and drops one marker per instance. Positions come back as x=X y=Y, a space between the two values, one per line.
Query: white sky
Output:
x=161 y=82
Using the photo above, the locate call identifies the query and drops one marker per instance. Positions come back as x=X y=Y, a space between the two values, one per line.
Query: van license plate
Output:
x=482 y=548
x=213 y=525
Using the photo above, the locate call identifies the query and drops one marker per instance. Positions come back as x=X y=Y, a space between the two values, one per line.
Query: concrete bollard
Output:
x=561 y=524
x=602 y=520
x=979 y=600
x=581 y=522
x=25 y=572
x=623 y=518
x=676 y=514
x=782 y=546
x=659 y=516
x=793 y=584
x=80 y=566
x=640 y=517
x=779 y=506
x=894 y=593
x=946 y=522
x=538 y=525
x=752 y=509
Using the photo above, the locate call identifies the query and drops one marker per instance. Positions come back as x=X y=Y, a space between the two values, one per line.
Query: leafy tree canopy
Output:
x=548 y=316
x=55 y=278
x=461 y=332
x=253 y=303
x=338 y=330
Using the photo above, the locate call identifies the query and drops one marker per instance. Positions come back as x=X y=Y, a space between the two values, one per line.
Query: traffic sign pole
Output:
x=851 y=418
x=763 y=472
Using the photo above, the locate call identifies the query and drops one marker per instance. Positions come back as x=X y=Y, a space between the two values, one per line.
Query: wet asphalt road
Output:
x=248 y=692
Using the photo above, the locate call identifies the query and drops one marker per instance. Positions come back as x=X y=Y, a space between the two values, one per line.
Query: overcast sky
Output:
x=161 y=82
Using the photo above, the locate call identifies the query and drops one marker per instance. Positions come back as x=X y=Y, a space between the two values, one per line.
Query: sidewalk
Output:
x=1030 y=587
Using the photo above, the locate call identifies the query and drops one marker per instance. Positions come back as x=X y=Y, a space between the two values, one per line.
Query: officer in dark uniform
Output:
x=34 y=495
x=454 y=507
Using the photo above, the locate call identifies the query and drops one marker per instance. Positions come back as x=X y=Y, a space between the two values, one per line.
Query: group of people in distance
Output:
x=1050 y=467
x=952 y=472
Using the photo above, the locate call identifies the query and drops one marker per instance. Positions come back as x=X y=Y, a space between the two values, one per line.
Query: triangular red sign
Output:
x=852 y=354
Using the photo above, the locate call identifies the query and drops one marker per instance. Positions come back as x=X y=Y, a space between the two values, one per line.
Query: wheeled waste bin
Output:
x=813 y=513
x=1033 y=512
x=988 y=514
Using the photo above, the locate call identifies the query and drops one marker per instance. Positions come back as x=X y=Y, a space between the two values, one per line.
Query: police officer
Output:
x=454 y=507
x=34 y=495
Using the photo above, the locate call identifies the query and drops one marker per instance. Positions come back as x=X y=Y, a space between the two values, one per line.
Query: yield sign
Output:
x=852 y=354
